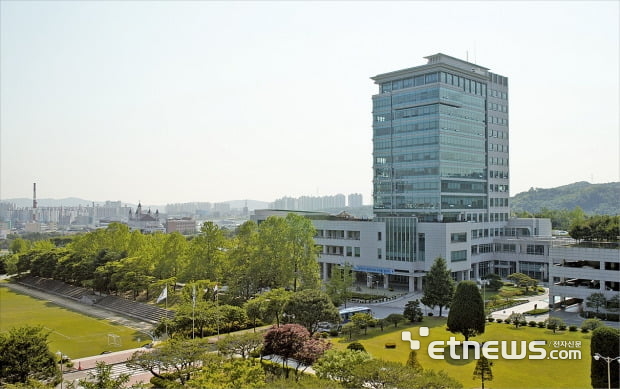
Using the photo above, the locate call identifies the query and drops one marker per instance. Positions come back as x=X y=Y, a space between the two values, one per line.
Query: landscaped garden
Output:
x=523 y=373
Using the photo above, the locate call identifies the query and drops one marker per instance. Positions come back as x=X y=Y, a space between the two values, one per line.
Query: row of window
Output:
x=462 y=157
x=498 y=121
x=498 y=161
x=465 y=84
x=498 y=134
x=498 y=107
x=337 y=234
x=462 y=186
x=497 y=202
x=351 y=251
x=457 y=256
x=498 y=188
x=531 y=249
x=498 y=217
x=486 y=232
x=458 y=237
x=498 y=94
x=498 y=147
x=498 y=174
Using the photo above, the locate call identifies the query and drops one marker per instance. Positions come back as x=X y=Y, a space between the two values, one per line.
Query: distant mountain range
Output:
x=594 y=199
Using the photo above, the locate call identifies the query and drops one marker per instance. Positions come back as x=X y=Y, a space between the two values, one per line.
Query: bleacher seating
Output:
x=145 y=312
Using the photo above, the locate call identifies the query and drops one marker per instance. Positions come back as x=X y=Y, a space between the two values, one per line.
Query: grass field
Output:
x=73 y=333
x=523 y=373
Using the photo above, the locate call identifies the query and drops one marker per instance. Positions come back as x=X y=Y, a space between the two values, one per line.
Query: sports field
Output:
x=72 y=333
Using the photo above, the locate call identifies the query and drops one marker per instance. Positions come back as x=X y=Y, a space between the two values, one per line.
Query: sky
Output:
x=169 y=102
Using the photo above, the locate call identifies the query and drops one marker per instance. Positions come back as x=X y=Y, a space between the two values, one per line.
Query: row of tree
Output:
x=280 y=253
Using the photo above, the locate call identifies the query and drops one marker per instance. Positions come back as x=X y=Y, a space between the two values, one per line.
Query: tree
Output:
x=516 y=318
x=284 y=341
x=596 y=301
x=591 y=324
x=219 y=373
x=466 y=314
x=523 y=280
x=339 y=285
x=605 y=342
x=255 y=310
x=303 y=252
x=438 y=287
x=413 y=363
x=276 y=300
x=394 y=318
x=24 y=355
x=413 y=312
x=483 y=370
x=554 y=323
x=495 y=281
x=309 y=307
x=206 y=254
x=180 y=358
x=241 y=344
x=362 y=321
x=380 y=374
x=101 y=378
x=338 y=365
x=310 y=352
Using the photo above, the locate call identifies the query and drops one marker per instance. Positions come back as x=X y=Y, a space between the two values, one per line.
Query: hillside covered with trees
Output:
x=593 y=199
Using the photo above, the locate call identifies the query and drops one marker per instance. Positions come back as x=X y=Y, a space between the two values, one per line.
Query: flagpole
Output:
x=166 y=289
x=193 y=309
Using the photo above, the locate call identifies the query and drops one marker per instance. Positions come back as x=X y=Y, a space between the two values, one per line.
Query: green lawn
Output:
x=74 y=334
x=523 y=373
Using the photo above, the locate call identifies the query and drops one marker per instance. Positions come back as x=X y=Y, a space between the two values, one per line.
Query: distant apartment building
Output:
x=310 y=203
x=355 y=200
x=184 y=226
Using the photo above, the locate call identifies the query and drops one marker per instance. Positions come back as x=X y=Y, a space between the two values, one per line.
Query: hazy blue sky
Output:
x=209 y=101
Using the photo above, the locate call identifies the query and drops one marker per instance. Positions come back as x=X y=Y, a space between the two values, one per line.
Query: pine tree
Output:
x=412 y=311
x=439 y=287
x=466 y=314
x=483 y=370
x=413 y=362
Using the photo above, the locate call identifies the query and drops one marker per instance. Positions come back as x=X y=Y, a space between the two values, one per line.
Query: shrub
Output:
x=541 y=324
x=572 y=328
x=430 y=314
x=523 y=323
x=498 y=320
x=562 y=327
x=333 y=332
x=490 y=319
x=390 y=345
x=532 y=323
x=585 y=330
x=591 y=324
x=358 y=346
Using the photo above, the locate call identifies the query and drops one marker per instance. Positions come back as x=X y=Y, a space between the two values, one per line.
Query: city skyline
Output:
x=180 y=102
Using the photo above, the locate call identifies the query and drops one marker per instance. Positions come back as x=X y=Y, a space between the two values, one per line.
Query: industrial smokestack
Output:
x=34 y=202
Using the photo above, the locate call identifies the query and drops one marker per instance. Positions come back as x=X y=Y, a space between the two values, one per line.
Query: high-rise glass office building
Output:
x=440 y=143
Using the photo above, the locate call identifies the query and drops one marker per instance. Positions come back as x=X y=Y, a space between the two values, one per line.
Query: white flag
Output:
x=163 y=295
x=194 y=295
x=215 y=288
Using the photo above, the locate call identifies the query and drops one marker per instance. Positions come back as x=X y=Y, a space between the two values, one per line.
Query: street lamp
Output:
x=61 y=376
x=598 y=356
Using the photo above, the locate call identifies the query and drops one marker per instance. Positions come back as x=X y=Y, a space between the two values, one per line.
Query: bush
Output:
x=532 y=323
x=585 y=330
x=333 y=332
x=358 y=346
x=562 y=327
x=572 y=328
x=498 y=320
x=390 y=345
x=430 y=314
x=490 y=319
x=523 y=323
x=541 y=324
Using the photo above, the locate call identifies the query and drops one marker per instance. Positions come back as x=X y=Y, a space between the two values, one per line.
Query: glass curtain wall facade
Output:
x=434 y=156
